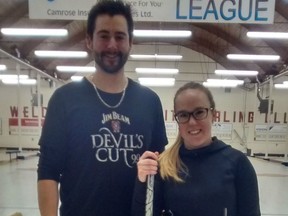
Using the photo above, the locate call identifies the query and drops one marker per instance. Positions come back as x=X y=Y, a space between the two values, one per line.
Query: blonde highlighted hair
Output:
x=170 y=163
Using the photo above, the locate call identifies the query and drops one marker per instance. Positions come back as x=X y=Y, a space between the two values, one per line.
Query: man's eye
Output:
x=120 y=37
x=104 y=36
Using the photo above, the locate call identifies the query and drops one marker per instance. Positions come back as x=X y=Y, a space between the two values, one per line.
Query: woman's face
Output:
x=195 y=133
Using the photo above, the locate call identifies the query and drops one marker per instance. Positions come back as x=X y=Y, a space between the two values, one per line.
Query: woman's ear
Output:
x=213 y=115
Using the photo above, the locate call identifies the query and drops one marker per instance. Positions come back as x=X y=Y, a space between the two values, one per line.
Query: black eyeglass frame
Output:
x=192 y=114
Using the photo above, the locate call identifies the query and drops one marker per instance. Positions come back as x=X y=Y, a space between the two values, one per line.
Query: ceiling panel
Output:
x=204 y=52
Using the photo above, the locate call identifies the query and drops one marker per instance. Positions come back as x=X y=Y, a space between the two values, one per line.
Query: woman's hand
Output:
x=147 y=165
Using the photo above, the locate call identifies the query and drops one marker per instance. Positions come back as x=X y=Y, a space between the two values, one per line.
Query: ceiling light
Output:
x=157 y=70
x=222 y=83
x=161 y=33
x=76 y=78
x=34 y=32
x=236 y=72
x=10 y=81
x=156 y=81
x=281 y=86
x=285 y=82
x=156 y=56
x=3 y=67
x=253 y=57
x=21 y=81
x=28 y=81
x=61 y=54
x=268 y=35
x=225 y=80
x=84 y=69
x=211 y=84
x=13 y=76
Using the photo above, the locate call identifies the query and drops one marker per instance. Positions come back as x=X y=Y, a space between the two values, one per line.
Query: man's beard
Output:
x=111 y=68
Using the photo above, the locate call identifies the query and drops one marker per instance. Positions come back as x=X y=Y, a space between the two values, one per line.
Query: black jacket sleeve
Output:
x=247 y=189
x=139 y=198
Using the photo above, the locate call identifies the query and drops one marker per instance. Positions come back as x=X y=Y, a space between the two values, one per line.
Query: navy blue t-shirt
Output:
x=92 y=150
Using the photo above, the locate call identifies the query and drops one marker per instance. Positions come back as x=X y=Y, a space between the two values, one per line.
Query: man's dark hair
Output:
x=110 y=7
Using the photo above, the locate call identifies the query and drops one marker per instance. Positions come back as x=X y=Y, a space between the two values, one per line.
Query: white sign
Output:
x=208 y=11
x=28 y=126
x=275 y=132
x=171 y=129
x=222 y=130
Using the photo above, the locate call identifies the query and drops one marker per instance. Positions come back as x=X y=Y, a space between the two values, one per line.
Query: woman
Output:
x=199 y=175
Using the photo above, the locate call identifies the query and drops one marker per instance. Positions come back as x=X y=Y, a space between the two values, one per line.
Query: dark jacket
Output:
x=221 y=181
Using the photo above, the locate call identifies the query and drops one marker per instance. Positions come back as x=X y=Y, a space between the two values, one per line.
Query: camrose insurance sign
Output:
x=210 y=11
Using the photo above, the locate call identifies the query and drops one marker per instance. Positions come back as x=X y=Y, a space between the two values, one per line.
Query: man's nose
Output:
x=112 y=43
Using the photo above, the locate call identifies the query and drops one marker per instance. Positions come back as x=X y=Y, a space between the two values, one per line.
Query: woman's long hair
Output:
x=170 y=162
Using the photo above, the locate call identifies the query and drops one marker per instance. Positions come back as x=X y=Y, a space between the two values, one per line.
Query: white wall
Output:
x=244 y=134
x=230 y=105
x=16 y=103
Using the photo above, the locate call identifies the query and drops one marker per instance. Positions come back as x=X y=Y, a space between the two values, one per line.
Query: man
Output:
x=96 y=130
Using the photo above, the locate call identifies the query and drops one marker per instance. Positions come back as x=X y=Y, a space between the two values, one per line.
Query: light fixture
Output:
x=281 y=86
x=10 y=81
x=84 y=69
x=60 y=54
x=13 y=76
x=157 y=70
x=211 y=84
x=162 y=33
x=34 y=32
x=76 y=78
x=156 y=56
x=225 y=80
x=28 y=81
x=21 y=81
x=156 y=81
x=14 y=79
x=222 y=83
x=268 y=35
x=236 y=72
x=3 y=67
x=253 y=57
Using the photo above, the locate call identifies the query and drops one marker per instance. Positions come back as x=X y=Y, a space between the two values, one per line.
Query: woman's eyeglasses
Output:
x=198 y=114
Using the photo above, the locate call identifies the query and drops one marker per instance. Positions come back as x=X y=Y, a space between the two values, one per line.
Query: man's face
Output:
x=110 y=43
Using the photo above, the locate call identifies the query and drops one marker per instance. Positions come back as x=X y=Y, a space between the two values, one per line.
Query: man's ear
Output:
x=130 y=44
x=89 y=42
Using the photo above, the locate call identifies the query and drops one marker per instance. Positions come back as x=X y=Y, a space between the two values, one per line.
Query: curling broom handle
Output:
x=149 y=196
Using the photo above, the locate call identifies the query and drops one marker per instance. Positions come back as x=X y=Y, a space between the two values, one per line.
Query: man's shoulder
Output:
x=140 y=89
x=72 y=86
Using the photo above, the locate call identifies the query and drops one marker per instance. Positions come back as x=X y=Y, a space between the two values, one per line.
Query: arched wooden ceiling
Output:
x=212 y=40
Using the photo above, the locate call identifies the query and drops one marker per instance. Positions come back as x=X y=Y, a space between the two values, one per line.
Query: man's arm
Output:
x=48 y=197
